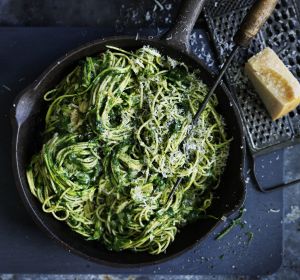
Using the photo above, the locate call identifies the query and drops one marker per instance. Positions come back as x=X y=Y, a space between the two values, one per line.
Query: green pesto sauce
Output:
x=111 y=151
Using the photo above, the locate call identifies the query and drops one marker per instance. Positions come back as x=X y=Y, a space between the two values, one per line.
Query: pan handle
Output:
x=179 y=35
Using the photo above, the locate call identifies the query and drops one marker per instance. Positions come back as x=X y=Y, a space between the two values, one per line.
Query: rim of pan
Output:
x=60 y=62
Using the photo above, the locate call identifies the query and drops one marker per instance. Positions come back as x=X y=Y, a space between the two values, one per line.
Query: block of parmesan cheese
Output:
x=275 y=84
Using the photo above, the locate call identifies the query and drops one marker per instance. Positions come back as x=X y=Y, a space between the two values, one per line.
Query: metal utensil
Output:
x=255 y=19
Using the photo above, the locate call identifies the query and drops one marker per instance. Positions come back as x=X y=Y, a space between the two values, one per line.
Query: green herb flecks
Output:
x=250 y=236
x=111 y=150
x=235 y=222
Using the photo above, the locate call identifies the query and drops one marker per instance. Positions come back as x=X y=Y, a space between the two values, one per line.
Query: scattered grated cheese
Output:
x=294 y=215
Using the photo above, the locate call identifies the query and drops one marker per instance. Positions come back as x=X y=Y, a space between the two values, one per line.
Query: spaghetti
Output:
x=111 y=150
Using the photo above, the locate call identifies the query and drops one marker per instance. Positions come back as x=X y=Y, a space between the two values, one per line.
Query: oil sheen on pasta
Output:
x=111 y=150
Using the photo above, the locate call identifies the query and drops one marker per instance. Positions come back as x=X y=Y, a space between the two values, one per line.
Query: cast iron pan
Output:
x=28 y=121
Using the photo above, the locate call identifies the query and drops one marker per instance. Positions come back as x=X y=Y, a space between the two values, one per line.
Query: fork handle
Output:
x=254 y=20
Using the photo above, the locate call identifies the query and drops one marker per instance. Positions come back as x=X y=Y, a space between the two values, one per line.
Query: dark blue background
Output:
x=26 y=249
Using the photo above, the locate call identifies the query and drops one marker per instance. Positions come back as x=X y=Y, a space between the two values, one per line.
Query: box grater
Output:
x=282 y=34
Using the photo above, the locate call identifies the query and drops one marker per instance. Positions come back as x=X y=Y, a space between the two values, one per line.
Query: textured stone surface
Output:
x=104 y=13
x=143 y=14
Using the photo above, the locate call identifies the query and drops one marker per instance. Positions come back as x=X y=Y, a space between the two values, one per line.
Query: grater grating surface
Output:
x=282 y=34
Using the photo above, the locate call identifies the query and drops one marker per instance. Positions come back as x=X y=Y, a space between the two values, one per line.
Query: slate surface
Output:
x=26 y=249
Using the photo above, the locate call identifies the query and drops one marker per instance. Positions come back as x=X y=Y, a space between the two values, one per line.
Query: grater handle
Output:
x=254 y=20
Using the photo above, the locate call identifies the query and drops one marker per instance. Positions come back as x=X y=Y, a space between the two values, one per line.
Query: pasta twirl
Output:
x=111 y=151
